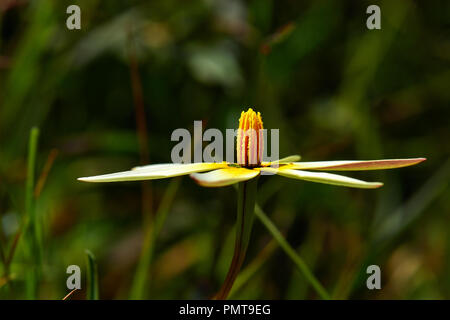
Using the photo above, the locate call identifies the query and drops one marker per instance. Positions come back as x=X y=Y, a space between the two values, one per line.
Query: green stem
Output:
x=142 y=277
x=31 y=166
x=92 y=277
x=245 y=214
x=252 y=268
x=33 y=247
x=298 y=261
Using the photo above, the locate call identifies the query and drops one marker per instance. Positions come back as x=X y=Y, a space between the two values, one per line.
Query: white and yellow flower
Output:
x=249 y=165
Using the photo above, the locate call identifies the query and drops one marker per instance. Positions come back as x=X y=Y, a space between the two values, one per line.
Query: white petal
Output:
x=323 y=177
x=157 y=171
x=224 y=177
x=352 y=165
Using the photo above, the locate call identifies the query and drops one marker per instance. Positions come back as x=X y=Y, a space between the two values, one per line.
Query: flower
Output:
x=249 y=147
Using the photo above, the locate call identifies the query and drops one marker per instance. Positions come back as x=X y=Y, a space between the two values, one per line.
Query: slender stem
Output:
x=245 y=215
x=253 y=267
x=298 y=261
x=142 y=275
x=92 y=279
x=33 y=247
x=67 y=296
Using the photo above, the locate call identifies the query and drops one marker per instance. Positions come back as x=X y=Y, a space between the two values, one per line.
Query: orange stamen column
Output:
x=250 y=143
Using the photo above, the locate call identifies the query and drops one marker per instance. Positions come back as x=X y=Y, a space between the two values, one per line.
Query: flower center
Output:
x=250 y=141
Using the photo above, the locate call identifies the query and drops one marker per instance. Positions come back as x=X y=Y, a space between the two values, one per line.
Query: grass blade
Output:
x=142 y=275
x=298 y=261
x=33 y=245
x=92 y=277
x=246 y=274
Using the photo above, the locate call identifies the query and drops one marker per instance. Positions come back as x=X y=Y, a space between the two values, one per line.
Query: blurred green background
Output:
x=107 y=97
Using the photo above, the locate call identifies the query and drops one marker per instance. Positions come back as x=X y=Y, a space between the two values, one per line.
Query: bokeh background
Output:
x=107 y=97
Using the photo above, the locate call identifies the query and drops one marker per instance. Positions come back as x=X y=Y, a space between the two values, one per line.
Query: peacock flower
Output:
x=249 y=148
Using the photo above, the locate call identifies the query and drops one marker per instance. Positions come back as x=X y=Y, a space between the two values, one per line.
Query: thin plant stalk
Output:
x=33 y=246
x=92 y=276
x=142 y=275
x=292 y=254
x=245 y=216
x=141 y=126
x=246 y=274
